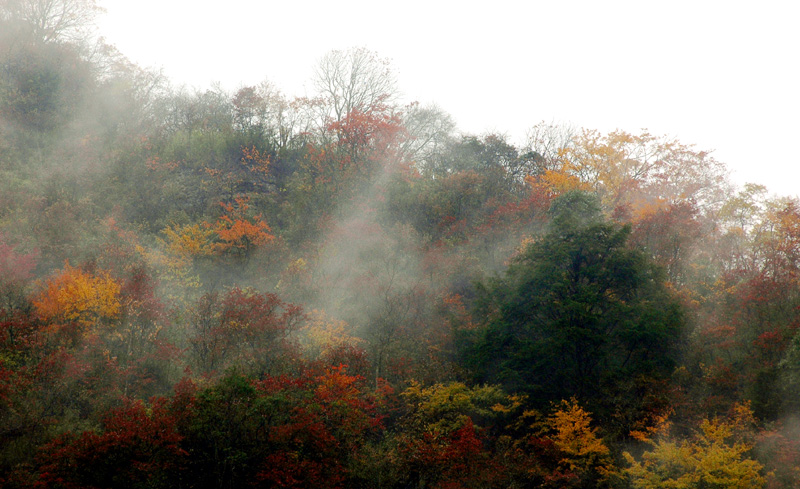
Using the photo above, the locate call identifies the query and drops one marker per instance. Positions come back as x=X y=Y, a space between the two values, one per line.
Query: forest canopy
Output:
x=211 y=288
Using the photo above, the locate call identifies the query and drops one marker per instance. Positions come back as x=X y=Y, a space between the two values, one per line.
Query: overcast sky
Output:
x=722 y=75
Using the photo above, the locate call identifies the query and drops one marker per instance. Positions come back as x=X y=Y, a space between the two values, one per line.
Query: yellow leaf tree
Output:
x=189 y=241
x=323 y=334
x=716 y=457
x=76 y=296
x=583 y=451
x=628 y=170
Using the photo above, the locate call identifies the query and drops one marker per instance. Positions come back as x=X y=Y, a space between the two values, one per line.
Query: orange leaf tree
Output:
x=80 y=297
x=238 y=231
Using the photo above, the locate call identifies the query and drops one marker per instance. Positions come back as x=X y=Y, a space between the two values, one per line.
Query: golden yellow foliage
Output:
x=631 y=170
x=445 y=408
x=716 y=457
x=557 y=182
x=574 y=434
x=658 y=423
x=76 y=296
x=183 y=244
x=584 y=451
x=323 y=334
x=191 y=240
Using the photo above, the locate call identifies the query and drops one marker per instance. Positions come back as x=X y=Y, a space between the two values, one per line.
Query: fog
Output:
x=380 y=260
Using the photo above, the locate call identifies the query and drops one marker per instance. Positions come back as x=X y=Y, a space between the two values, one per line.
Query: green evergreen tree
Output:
x=579 y=314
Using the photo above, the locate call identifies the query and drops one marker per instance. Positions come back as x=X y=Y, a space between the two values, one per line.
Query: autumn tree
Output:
x=716 y=456
x=75 y=296
x=190 y=240
x=240 y=232
x=748 y=313
x=365 y=143
x=628 y=170
x=670 y=235
x=353 y=80
x=281 y=431
x=142 y=318
x=446 y=407
x=330 y=342
x=241 y=328
x=138 y=444
x=584 y=452
x=249 y=108
x=778 y=448
x=440 y=442
x=346 y=170
x=560 y=449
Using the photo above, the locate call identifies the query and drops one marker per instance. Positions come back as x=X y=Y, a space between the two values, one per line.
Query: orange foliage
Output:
x=76 y=296
x=556 y=182
x=629 y=170
x=239 y=232
x=155 y=164
x=255 y=161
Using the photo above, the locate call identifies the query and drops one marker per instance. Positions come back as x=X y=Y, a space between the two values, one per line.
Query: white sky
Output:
x=723 y=75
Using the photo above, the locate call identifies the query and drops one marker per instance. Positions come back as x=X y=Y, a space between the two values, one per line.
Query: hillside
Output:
x=223 y=289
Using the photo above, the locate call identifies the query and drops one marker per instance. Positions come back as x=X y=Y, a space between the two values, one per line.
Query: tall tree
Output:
x=581 y=314
x=355 y=79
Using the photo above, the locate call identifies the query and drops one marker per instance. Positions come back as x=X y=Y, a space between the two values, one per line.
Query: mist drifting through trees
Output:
x=204 y=288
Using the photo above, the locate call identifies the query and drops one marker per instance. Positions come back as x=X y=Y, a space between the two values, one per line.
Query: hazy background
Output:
x=721 y=75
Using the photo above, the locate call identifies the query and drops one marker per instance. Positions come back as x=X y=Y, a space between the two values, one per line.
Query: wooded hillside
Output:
x=203 y=288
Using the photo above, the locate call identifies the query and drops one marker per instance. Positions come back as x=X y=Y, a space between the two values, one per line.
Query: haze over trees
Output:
x=225 y=289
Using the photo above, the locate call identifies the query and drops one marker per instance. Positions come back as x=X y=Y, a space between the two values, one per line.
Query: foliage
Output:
x=275 y=432
x=584 y=452
x=630 y=281
x=241 y=329
x=322 y=336
x=239 y=233
x=446 y=407
x=189 y=240
x=562 y=449
x=717 y=456
x=137 y=447
x=578 y=314
x=441 y=443
x=76 y=296
x=633 y=170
